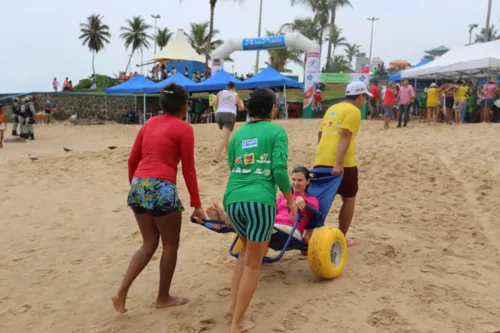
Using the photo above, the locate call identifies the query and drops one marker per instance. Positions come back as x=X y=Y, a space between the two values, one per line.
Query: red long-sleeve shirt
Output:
x=159 y=146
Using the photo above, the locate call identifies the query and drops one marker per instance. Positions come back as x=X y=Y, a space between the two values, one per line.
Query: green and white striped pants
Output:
x=253 y=220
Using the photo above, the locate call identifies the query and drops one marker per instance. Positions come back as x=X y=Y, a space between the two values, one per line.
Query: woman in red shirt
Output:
x=389 y=98
x=152 y=169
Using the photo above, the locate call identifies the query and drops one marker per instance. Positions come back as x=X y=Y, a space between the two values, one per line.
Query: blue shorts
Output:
x=488 y=102
x=153 y=196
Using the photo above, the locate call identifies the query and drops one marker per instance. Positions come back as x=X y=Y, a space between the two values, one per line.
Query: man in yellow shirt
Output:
x=460 y=96
x=336 y=147
x=432 y=103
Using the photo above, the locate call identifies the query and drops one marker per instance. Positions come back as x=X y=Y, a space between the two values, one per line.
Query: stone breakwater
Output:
x=88 y=106
x=111 y=108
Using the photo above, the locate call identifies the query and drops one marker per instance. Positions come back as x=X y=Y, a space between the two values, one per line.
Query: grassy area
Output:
x=296 y=95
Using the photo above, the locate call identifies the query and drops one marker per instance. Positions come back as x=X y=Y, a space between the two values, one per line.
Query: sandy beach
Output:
x=427 y=223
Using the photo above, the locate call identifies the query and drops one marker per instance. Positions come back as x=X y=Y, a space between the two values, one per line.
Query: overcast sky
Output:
x=40 y=37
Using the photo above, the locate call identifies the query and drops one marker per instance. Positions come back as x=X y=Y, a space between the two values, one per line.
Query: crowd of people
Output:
x=67 y=85
x=449 y=101
x=257 y=157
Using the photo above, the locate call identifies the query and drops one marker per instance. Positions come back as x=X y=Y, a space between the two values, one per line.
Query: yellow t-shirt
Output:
x=339 y=116
x=211 y=98
x=460 y=93
x=432 y=98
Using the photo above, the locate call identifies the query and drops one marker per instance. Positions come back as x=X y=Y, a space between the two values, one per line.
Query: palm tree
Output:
x=199 y=39
x=492 y=35
x=135 y=35
x=339 y=64
x=309 y=27
x=351 y=51
x=279 y=58
x=211 y=31
x=163 y=37
x=95 y=34
x=328 y=9
x=337 y=40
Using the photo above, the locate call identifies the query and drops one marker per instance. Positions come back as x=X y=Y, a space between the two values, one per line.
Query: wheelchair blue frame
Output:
x=324 y=188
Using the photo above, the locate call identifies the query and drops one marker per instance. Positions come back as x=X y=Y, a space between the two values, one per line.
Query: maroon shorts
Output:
x=349 y=186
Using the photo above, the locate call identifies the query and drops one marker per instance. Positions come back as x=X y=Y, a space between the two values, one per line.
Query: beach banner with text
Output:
x=312 y=77
x=344 y=78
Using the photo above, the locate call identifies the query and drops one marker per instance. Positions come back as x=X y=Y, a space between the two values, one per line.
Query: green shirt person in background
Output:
x=257 y=157
x=422 y=105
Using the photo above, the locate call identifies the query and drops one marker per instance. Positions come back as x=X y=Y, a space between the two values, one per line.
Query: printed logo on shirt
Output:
x=333 y=114
x=237 y=160
x=267 y=172
x=249 y=143
x=263 y=159
x=258 y=172
x=338 y=123
x=237 y=170
x=330 y=123
x=249 y=158
x=246 y=171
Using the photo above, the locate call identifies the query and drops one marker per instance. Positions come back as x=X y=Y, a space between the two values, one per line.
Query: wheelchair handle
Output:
x=209 y=221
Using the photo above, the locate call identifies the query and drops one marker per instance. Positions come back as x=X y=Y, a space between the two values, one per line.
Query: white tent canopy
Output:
x=476 y=60
x=178 y=49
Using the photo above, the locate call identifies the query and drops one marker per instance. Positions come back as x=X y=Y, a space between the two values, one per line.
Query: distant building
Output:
x=376 y=61
x=361 y=62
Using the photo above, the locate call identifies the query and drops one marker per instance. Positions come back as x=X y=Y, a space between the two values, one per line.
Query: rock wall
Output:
x=111 y=108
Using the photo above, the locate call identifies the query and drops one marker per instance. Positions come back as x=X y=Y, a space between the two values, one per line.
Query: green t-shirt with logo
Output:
x=422 y=100
x=257 y=158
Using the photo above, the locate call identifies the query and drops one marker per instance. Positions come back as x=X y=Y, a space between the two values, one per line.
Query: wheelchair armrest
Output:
x=313 y=210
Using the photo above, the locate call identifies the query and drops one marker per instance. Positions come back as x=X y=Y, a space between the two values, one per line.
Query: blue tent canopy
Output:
x=216 y=83
x=135 y=85
x=178 y=78
x=397 y=76
x=269 y=77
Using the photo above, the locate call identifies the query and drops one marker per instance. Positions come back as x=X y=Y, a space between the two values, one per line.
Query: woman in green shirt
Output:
x=257 y=157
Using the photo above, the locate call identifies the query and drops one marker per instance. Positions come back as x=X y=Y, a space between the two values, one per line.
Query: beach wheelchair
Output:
x=327 y=248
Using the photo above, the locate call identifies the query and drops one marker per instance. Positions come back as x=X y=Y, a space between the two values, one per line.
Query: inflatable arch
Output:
x=296 y=41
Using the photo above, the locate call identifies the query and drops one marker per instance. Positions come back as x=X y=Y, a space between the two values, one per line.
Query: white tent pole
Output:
x=144 y=108
x=135 y=107
x=286 y=108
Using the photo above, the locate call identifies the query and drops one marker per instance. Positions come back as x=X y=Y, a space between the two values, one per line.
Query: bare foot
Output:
x=119 y=303
x=171 y=301
x=244 y=326
x=229 y=311
x=351 y=242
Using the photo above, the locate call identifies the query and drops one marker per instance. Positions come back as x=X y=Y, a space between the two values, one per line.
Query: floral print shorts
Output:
x=154 y=196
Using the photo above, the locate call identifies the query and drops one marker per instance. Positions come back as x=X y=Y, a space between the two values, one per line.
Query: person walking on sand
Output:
x=432 y=104
x=336 y=148
x=3 y=126
x=389 y=97
x=257 y=158
x=152 y=169
x=225 y=103
x=406 y=93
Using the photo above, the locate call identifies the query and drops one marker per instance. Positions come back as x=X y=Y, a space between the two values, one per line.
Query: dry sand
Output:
x=427 y=222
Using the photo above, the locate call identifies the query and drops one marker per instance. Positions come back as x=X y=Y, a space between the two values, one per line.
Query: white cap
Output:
x=433 y=84
x=356 y=88
x=317 y=90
